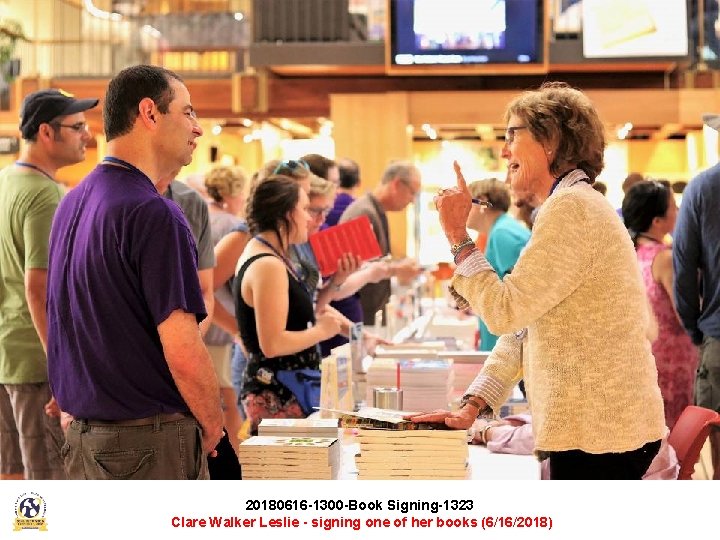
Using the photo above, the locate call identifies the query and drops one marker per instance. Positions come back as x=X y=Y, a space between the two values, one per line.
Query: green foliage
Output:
x=10 y=32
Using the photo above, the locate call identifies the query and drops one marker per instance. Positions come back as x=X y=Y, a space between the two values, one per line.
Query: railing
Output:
x=84 y=45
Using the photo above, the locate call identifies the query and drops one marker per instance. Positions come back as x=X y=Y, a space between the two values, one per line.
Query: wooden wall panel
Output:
x=371 y=129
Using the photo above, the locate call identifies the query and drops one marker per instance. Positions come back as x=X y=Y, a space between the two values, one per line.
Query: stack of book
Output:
x=269 y=457
x=426 y=383
x=394 y=448
x=466 y=366
x=412 y=454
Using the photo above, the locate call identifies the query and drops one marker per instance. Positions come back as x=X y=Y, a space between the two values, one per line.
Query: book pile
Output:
x=466 y=366
x=440 y=454
x=394 y=448
x=426 y=383
x=269 y=457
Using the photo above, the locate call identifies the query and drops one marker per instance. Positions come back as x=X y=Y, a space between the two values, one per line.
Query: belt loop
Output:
x=83 y=426
x=156 y=423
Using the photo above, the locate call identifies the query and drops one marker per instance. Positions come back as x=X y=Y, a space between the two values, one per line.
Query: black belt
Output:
x=161 y=418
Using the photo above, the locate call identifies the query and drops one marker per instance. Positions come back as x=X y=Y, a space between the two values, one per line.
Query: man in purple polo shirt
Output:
x=125 y=356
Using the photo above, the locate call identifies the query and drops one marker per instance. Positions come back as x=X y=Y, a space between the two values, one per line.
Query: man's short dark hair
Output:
x=319 y=165
x=127 y=89
x=349 y=173
x=630 y=180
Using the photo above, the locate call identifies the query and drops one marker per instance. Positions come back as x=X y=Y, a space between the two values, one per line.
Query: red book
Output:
x=355 y=236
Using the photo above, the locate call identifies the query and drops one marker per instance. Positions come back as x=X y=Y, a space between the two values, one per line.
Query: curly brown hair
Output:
x=223 y=181
x=564 y=119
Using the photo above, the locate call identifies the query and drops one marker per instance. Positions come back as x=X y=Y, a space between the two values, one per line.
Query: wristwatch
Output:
x=472 y=400
x=455 y=248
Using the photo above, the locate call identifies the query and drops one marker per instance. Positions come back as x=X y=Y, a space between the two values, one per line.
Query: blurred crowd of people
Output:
x=144 y=321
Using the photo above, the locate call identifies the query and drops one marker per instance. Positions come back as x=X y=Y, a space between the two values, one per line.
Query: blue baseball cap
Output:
x=44 y=106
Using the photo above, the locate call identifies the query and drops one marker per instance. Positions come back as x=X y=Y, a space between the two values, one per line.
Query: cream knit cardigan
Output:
x=590 y=373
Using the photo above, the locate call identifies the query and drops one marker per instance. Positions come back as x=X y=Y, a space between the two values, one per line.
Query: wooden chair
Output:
x=688 y=436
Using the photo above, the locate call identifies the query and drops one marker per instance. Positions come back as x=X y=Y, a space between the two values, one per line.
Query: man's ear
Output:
x=45 y=132
x=147 y=112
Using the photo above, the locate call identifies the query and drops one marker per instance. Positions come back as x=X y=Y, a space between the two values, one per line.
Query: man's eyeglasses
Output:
x=318 y=212
x=410 y=187
x=510 y=133
x=77 y=126
x=290 y=165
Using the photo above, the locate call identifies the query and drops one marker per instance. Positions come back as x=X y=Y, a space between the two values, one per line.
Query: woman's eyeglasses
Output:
x=510 y=133
x=318 y=212
x=291 y=165
x=480 y=202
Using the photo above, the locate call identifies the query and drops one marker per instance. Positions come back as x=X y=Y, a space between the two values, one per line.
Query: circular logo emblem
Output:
x=29 y=507
x=30 y=512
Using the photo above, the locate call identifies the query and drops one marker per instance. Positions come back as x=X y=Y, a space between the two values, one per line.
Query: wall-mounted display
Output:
x=634 y=28
x=447 y=33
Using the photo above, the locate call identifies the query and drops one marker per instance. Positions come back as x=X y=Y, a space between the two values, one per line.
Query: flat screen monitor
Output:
x=447 y=33
x=634 y=28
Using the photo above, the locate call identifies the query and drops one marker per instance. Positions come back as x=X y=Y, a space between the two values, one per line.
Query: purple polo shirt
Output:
x=342 y=201
x=122 y=258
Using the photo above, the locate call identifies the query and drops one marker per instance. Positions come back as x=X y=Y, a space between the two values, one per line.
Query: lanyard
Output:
x=35 y=167
x=123 y=163
x=284 y=259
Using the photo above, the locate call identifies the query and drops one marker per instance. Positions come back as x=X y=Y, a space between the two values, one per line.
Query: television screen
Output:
x=634 y=28
x=465 y=32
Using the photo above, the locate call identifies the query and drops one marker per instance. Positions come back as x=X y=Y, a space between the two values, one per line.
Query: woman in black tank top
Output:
x=274 y=310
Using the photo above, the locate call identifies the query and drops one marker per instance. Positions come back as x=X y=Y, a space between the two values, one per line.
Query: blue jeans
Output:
x=237 y=372
x=158 y=451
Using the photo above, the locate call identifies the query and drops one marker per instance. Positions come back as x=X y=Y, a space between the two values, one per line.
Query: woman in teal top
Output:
x=506 y=237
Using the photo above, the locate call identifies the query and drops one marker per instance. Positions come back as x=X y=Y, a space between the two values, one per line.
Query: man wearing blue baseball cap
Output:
x=53 y=126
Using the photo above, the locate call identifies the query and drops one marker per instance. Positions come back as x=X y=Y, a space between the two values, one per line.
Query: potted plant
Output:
x=10 y=32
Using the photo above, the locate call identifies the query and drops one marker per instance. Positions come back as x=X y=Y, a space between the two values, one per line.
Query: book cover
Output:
x=298 y=427
x=355 y=236
x=373 y=418
x=300 y=446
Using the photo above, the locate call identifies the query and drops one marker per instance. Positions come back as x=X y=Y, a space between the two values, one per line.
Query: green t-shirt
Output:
x=27 y=205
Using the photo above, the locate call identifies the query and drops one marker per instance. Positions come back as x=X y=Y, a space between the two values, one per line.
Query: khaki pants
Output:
x=707 y=391
x=30 y=440
x=157 y=451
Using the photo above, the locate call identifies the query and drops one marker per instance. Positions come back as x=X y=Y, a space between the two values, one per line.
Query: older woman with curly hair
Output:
x=574 y=301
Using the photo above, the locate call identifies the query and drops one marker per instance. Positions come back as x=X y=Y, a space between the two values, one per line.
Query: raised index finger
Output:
x=462 y=186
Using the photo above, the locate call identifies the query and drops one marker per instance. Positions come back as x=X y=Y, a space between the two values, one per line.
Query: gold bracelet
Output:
x=483 y=433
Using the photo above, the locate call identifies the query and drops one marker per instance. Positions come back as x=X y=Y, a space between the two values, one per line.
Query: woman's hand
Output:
x=379 y=270
x=347 y=264
x=371 y=341
x=405 y=270
x=454 y=205
x=461 y=419
x=328 y=323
